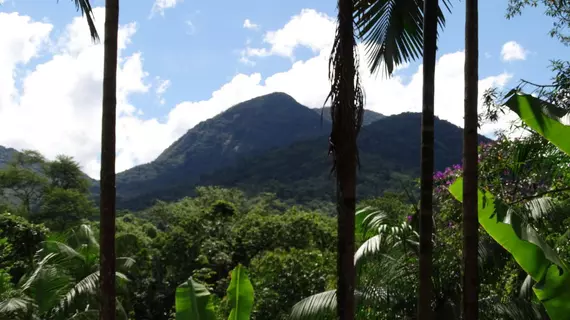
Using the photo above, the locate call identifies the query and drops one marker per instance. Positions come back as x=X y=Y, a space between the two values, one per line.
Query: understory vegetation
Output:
x=50 y=256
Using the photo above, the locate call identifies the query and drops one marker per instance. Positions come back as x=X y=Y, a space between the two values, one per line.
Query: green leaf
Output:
x=240 y=295
x=392 y=30
x=542 y=117
x=533 y=254
x=318 y=306
x=193 y=302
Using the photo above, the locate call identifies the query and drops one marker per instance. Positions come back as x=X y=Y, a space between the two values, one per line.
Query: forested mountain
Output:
x=6 y=155
x=246 y=129
x=283 y=150
x=274 y=144
x=369 y=115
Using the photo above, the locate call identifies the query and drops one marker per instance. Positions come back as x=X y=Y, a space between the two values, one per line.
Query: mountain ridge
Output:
x=272 y=143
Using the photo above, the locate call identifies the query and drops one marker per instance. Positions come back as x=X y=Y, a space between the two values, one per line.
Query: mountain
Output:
x=274 y=144
x=368 y=117
x=246 y=129
x=389 y=155
x=389 y=151
x=6 y=155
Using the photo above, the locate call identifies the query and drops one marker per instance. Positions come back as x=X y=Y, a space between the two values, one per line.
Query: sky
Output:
x=182 y=62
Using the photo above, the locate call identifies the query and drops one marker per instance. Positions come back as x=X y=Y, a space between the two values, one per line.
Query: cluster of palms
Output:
x=65 y=280
x=395 y=32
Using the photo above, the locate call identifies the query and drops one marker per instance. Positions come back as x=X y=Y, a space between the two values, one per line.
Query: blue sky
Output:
x=185 y=61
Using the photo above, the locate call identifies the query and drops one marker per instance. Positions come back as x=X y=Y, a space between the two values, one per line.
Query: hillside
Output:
x=389 y=151
x=369 y=115
x=6 y=155
x=246 y=129
x=389 y=154
x=274 y=144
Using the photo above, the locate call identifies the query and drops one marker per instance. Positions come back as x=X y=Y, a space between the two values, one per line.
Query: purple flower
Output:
x=438 y=175
x=449 y=224
x=409 y=219
x=457 y=167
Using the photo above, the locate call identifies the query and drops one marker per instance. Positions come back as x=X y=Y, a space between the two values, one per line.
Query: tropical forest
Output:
x=274 y=210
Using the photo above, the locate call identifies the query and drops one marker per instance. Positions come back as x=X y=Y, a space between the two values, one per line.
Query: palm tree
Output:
x=108 y=192
x=64 y=282
x=470 y=185
x=346 y=112
x=427 y=160
x=395 y=32
x=84 y=6
x=391 y=244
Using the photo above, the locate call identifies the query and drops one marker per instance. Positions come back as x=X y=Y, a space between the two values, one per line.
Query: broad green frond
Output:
x=17 y=304
x=392 y=31
x=316 y=307
x=240 y=294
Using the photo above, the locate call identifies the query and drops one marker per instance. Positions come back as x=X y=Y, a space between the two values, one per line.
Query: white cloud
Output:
x=250 y=25
x=58 y=108
x=310 y=29
x=513 y=51
x=160 y=6
x=161 y=87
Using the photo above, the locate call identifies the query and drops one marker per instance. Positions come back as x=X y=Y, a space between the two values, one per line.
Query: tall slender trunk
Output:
x=427 y=160
x=470 y=194
x=346 y=113
x=107 y=205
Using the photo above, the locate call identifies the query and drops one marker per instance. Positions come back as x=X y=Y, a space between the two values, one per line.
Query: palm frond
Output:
x=86 y=10
x=392 y=30
x=16 y=305
x=62 y=249
x=373 y=247
x=32 y=278
x=85 y=232
x=526 y=288
x=125 y=263
x=318 y=306
x=540 y=207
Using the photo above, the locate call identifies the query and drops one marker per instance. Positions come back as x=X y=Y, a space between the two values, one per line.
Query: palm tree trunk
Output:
x=346 y=114
x=427 y=160
x=470 y=194
x=107 y=206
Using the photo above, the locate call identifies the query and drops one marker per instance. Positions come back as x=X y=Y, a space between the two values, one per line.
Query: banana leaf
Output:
x=532 y=254
x=542 y=117
x=240 y=295
x=193 y=302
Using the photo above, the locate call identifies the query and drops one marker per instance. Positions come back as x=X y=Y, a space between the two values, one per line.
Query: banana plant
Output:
x=542 y=117
x=531 y=252
x=194 y=301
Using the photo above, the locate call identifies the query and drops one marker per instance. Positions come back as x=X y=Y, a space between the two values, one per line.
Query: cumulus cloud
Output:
x=512 y=50
x=160 y=6
x=310 y=29
x=57 y=109
x=250 y=25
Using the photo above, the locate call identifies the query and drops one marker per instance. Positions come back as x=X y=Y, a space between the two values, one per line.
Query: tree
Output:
x=63 y=208
x=22 y=179
x=65 y=173
x=64 y=280
x=86 y=10
x=427 y=159
x=393 y=34
x=346 y=113
x=470 y=159
x=108 y=141
x=557 y=9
